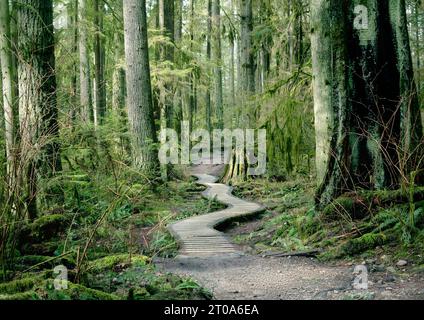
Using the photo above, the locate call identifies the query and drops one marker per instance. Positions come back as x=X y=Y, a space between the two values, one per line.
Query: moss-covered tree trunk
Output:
x=99 y=58
x=367 y=121
x=118 y=78
x=38 y=113
x=217 y=59
x=208 y=102
x=84 y=60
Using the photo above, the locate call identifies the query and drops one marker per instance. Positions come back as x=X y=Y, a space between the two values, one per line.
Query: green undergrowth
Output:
x=111 y=212
x=136 y=228
x=356 y=225
x=110 y=278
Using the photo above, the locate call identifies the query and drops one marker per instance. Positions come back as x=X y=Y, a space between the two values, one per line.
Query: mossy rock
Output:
x=111 y=262
x=77 y=292
x=27 y=295
x=49 y=226
x=20 y=285
x=352 y=206
x=138 y=294
x=366 y=242
x=46 y=248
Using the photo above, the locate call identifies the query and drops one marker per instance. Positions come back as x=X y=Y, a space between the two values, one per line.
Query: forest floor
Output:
x=253 y=275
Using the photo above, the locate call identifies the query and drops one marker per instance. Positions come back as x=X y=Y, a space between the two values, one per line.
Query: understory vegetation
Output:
x=108 y=233
x=353 y=227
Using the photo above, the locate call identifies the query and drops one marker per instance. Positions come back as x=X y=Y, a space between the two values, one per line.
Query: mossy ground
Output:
x=351 y=228
x=119 y=235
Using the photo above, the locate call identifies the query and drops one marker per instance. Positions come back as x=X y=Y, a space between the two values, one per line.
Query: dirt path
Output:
x=208 y=256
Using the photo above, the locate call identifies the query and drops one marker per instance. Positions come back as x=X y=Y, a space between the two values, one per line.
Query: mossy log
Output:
x=360 y=204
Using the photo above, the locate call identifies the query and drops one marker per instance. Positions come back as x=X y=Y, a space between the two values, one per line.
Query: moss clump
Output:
x=109 y=262
x=352 y=206
x=20 y=285
x=48 y=226
x=360 y=204
x=363 y=243
x=27 y=295
x=78 y=292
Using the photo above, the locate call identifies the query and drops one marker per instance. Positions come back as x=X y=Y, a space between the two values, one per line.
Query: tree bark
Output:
x=217 y=59
x=367 y=121
x=118 y=81
x=237 y=168
x=209 y=58
x=7 y=71
x=139 y=90
x=85 y=81
x=38 y=111
x=99 y=58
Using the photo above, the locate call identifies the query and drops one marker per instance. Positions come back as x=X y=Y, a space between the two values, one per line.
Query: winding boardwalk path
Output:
x=210 y=258
x=197 y=236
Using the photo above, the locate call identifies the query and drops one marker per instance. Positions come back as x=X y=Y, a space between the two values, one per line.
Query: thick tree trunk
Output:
x=85 y=81
x=367 y=121
x=37 y=103
x=237 y=168
x=139 y=91
x=217 y=59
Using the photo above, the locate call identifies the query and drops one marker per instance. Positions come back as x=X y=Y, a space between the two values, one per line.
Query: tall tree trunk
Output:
x=247 y=57
x=7 y=71
x=139 y=90
x=232 y=40
x=178 y=100
x=37 y=104
x=191 y=96
x=237 y=168
x=209 y=57
x=73 y=101
x=99 y=63
x=217 y=59
x=166 y=24
x=367 y=121
x=417 y=41
x=84 y=59
x=118 y=81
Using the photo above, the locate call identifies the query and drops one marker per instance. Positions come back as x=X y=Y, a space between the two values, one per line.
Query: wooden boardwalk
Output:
x=197 y=235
